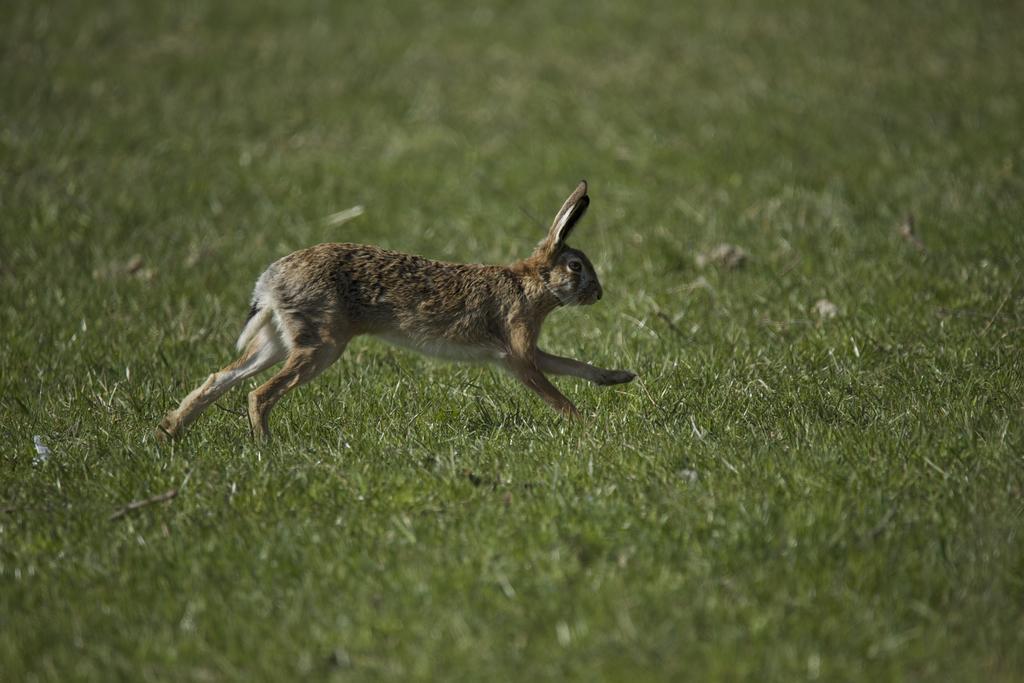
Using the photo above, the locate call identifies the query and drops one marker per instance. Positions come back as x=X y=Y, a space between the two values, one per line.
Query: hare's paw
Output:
x=167 y=430
x=608 y=377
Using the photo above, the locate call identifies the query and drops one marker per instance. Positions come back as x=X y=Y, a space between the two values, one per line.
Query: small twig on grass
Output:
x=882 y=524
x=643 y=387
x=995 y=315
x=137 y=504
x=342 y=217
x=668 y=321
x=788 y=269
x=21 y=404
x=782 y=325
x=906 y=231
x=236 y=413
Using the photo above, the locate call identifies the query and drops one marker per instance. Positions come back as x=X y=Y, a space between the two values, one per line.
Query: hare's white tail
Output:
x=257 y=320
x=260 y=313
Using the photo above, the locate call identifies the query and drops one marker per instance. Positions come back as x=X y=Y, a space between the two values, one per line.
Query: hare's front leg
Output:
x=558 y=365
x=527 y=372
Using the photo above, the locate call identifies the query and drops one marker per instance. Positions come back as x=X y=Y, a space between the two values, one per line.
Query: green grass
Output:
x=777 y=498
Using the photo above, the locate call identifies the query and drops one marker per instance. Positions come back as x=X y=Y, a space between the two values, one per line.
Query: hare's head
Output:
x=567 y=273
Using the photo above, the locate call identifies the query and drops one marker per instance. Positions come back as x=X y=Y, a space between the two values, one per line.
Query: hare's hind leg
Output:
x=265 y=350
x=303 y=364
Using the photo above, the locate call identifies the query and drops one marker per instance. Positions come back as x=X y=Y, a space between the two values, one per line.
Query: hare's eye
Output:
x=575 y=266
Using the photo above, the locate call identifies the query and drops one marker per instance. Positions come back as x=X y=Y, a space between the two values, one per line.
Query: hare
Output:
x=307 y=306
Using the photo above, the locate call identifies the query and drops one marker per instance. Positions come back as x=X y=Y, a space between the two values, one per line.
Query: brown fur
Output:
x=309 y=304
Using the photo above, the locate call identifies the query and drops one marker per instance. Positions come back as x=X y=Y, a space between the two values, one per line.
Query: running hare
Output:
x=309 y=304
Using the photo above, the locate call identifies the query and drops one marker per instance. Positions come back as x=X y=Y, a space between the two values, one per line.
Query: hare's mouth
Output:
x=577 y=297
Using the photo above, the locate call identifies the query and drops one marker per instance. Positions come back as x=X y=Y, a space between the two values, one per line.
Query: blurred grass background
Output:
x=780 y=496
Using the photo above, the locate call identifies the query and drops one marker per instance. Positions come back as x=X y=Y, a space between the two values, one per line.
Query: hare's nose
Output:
x=599 y=292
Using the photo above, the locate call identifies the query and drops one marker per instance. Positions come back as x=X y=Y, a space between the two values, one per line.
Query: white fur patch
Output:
x=254 y=325
x=561 y=223
x=445 y=350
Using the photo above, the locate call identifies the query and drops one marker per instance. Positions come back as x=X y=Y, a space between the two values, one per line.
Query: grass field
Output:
x=780 y=496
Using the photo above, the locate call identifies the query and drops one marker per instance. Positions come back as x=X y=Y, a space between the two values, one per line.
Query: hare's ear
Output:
x=567 y=217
